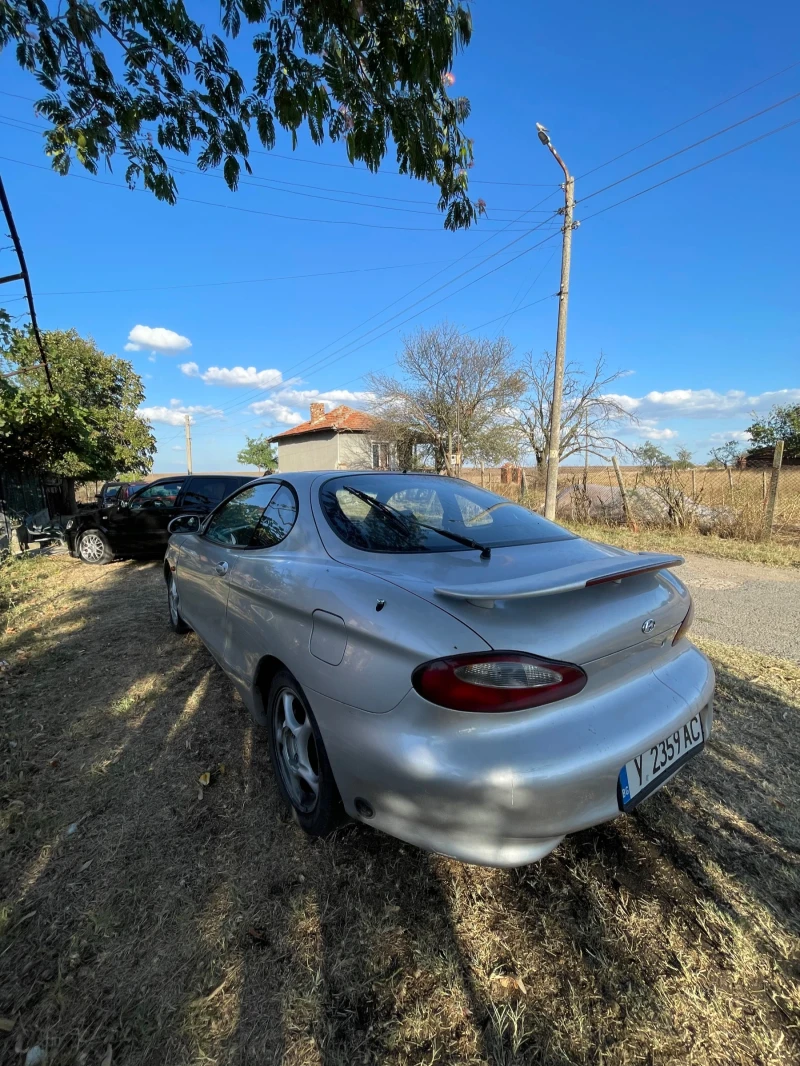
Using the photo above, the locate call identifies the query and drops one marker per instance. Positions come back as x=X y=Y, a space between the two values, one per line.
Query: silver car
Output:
x=441 y=663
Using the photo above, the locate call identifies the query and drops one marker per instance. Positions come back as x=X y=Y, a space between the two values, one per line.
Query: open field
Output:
x=181 y=924
x=680 y=542
x=738 y=495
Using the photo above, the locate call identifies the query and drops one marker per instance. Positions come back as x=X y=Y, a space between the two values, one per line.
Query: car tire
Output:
x=299 y=759
x=93 y=548
x=174 y=606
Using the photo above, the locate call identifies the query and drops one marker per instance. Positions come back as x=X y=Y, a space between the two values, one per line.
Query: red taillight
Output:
x=685 y=625
x=496 y=681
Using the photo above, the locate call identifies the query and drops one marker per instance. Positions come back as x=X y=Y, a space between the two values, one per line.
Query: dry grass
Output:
x=773 y=553
x=186 y=926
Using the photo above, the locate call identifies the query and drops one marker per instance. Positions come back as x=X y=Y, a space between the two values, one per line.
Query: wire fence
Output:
x=731 y=502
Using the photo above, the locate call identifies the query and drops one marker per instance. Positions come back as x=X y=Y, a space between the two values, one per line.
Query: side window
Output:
x=204 y=493
x=277 y=520
x=235 y=523
x=160 y=497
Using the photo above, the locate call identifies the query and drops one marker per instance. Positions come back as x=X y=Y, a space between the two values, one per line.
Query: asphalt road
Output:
x=744 y=604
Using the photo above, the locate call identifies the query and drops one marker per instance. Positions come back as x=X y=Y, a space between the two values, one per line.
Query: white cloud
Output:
x=331 y=398
x=274 y=410
x=234 y=376
x=156 y=339
x=174 y=414
x=648 y=433
x=731 y=434
x=703 y=403
x=282 y=406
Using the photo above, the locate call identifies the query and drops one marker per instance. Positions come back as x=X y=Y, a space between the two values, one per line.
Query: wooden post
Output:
x=625 y=502
x=694 y=485
x=482 y=475
x=769 y=514
x=763 y=486
x=730 y=479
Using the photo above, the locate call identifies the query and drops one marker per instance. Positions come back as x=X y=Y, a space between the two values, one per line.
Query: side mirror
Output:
x=185 y=523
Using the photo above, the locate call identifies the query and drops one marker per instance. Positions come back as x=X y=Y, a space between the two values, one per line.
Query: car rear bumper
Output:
x=503 y=790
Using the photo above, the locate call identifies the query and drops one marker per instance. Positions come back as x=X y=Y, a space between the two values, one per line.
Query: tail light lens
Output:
x=496 y=681
x=685 y=625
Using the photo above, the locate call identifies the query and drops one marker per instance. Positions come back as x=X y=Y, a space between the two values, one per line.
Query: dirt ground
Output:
x=148 y=919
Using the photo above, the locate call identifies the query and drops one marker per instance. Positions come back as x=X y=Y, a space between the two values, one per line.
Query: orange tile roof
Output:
x=342 y=418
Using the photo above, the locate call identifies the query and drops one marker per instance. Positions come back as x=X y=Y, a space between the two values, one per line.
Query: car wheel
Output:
x=94 y=549
x=174 y=602
x=299 y=759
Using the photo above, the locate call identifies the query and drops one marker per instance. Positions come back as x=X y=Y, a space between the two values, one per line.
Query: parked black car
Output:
x=117 y=490
x=137 y=526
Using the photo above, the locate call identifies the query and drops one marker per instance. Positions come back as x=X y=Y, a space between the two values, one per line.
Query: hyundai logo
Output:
x=649 y=625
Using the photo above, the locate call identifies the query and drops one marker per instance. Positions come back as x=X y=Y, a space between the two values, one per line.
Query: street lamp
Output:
x=554 y=443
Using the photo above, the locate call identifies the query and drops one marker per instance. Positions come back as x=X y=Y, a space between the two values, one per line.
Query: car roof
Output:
x=306 y=478
x=178 y=477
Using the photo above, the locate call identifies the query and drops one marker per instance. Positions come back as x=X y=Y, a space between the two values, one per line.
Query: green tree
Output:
x=100 y=392
x=258 y=453
x=683 y=460
x=782 y=423
x=727 y=454
x=143 y=78
x=37 y=427
x=651 y=457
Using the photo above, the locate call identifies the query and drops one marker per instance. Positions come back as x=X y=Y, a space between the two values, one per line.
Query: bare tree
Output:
x=590 y=415
x=453 y=401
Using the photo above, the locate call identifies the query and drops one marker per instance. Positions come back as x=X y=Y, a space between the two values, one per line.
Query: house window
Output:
x=381 y=455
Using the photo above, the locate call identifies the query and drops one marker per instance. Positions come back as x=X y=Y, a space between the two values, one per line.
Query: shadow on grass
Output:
x=184 y=923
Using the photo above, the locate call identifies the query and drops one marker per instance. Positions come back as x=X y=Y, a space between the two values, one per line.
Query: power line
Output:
x=698 y=166
x=472 y=329
x=689 y=147
x=347 y=166
x=306 y=369
x=260 y=182
x=243 y=281
x=233 y=207
x=601 y=211
x=686 y=121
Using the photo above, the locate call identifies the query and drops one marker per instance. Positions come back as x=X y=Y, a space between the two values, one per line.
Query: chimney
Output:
x=317 y=412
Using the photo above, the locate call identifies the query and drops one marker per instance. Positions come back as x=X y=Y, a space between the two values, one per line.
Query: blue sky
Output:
x=692 y=287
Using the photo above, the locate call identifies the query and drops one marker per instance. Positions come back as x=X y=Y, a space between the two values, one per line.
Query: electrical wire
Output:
x=243 y=281
x=255 y=181
x=689 y=147
x=698 y=166
x=234 y=207
x=601 y=211
x=686 y=121
x=299 y=367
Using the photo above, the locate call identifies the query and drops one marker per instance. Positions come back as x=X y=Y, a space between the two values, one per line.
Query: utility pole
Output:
x=554 y=448
x=23 y=276
x=187 y=423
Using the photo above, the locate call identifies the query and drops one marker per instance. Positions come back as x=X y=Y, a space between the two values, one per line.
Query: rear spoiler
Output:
x=567 y=579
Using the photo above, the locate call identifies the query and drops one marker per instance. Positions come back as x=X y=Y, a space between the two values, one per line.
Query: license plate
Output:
x=644 y=773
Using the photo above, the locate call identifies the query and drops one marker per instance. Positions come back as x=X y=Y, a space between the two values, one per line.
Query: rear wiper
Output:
x=400 y=520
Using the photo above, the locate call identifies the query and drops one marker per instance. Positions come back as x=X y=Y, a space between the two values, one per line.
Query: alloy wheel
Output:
x=91 y=548
x=297 y=751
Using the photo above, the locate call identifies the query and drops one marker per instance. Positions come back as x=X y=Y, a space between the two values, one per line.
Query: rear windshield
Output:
x=404 y=513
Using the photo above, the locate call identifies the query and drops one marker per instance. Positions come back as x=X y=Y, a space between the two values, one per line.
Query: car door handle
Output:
x=221 y=569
